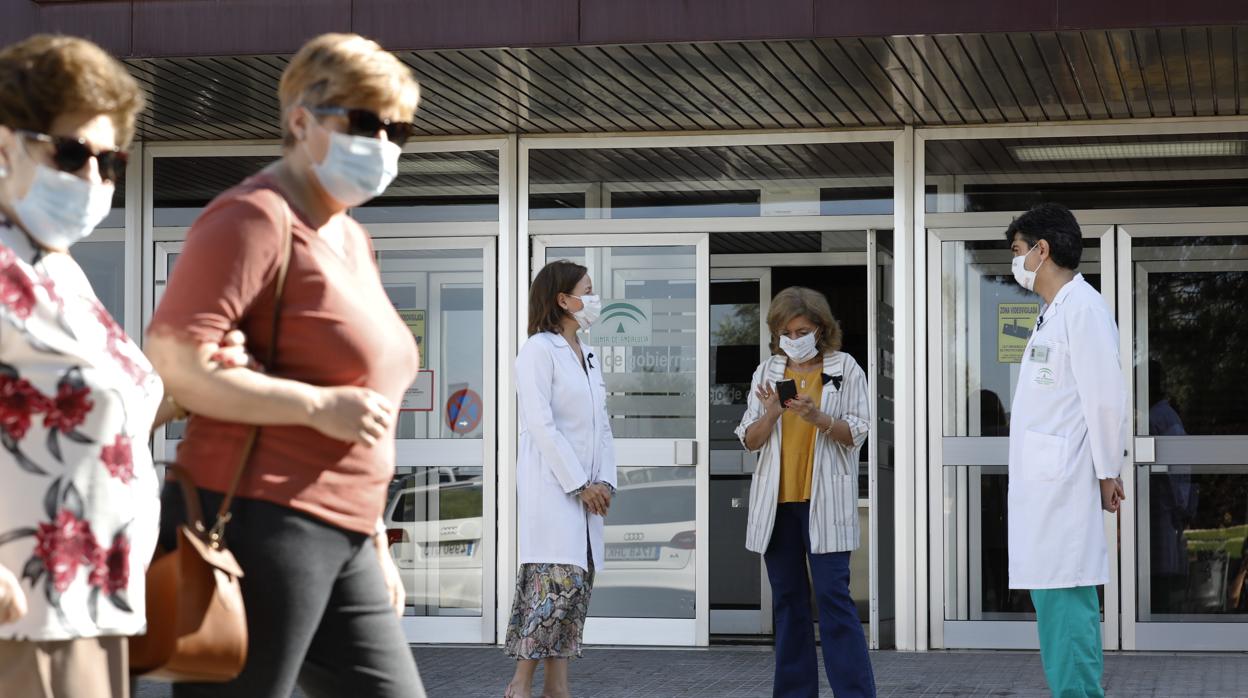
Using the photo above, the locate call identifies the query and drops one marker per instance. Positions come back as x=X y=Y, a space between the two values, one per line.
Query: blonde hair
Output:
x=347 y=70
x=47 y=76
x=798 y=301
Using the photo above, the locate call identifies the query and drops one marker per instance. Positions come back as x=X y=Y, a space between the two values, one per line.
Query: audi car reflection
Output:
x=433 y=523
x=650 y=542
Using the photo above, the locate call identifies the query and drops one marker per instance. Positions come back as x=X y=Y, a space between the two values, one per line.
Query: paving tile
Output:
x=745 y=672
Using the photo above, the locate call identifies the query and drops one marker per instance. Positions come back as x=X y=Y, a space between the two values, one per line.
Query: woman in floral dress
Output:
x=78 y=493
x=566 y=475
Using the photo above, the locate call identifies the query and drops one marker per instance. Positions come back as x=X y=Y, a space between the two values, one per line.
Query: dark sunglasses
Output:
x=72 y=154
x=363 y=122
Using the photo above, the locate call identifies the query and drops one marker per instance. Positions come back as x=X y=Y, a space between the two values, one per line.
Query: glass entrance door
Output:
x=742 y=286
x=439 y=512
x=740 y=297
x=979 y=321
x=164 y=440
x=653 y=344
x=439 y=508
x=1182 y=306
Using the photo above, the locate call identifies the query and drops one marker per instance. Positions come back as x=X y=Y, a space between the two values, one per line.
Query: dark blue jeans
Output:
x=845 y=657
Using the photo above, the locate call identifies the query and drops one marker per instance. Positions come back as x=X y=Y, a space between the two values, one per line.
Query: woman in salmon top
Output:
x=321 y=590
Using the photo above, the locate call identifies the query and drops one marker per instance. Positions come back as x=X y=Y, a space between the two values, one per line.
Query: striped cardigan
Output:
x=834 y=489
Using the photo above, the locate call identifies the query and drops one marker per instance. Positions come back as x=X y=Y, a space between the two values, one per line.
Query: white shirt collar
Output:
x=1062 y=293
x=1066 y=289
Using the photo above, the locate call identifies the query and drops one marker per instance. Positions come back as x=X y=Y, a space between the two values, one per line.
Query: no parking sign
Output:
x=463 y=411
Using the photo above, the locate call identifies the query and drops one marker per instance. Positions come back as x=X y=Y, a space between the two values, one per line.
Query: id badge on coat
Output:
x=1044 y=364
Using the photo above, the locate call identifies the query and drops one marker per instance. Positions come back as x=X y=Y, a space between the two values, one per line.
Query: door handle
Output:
x=1145 y=451
x=686 y=453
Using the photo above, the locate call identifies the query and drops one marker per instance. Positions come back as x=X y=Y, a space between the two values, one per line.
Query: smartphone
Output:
x=786 y=390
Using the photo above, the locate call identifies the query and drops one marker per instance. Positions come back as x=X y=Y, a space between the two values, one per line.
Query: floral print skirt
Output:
x=548 y=616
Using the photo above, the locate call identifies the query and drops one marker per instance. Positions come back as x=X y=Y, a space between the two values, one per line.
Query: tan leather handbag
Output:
x=196 y=623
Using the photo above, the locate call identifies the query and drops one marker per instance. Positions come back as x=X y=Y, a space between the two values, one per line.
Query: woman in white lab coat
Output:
x=565 y=473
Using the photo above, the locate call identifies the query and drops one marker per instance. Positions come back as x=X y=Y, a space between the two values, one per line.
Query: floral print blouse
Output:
x=79 y=500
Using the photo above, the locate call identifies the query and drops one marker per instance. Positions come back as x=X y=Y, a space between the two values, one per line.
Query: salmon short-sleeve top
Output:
x=337 y=328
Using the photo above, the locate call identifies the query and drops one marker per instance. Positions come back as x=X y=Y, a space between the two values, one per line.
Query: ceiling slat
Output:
x=705 y=76
x=1000 y=54
x=826 y=83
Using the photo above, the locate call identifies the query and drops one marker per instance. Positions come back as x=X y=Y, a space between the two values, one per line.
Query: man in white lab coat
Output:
x=1068 y=432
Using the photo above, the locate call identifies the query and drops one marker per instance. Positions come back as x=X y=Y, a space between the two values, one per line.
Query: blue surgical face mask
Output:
x=357 y=168
x=60 y=209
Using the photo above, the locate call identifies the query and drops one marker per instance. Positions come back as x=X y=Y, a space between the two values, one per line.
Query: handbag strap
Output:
x=217 y=533
x=190 y=495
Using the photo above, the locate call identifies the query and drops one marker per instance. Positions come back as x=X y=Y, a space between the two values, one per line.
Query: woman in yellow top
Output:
x=804 y=497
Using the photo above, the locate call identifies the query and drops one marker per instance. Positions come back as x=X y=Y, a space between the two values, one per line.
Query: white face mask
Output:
x=60 y=209
x=801 y=349
x=1026 y=279
x=357 y=168
x=591 y=308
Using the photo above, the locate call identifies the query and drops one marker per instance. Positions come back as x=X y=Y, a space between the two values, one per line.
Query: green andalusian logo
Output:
x=620 y=312
x=1045 y=377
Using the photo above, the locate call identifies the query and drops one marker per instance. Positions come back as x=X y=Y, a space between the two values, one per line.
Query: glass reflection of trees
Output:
x=1198 y=330
x=734 y=355
x=740 y=327
x=1197 y=334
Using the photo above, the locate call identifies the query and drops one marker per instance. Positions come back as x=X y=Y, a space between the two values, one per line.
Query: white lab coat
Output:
x=1068 y=430
x=565 y=443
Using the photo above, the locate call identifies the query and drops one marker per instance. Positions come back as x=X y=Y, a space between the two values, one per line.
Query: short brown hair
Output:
x=560 y=276
x=47 y=76
x=336 y=70
x=799 y=301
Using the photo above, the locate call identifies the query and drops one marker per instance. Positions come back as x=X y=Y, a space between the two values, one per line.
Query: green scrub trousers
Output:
x=1069 y=621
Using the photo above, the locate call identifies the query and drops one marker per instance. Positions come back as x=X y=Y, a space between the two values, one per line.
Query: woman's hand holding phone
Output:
x=770 y=399
x=806 y=408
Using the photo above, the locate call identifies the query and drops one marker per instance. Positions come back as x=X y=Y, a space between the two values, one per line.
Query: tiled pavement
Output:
x=741 y=672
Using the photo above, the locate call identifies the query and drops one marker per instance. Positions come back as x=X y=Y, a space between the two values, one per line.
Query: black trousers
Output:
x=318 y=613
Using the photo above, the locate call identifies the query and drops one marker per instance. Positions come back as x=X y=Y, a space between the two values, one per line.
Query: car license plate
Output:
x=625 y=553
x=460 y=549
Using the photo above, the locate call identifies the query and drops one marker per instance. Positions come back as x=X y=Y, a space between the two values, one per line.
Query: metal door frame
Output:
x=419 y=629
x=880 y=633
x=663 y=631
x=984 y=451
x=738 y=622
x=435 y=452
x=1208 y=451
x=758 y=267
x=163 y=449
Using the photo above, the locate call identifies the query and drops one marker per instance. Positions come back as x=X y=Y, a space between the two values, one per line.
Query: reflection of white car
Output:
x=434 y=530
x=650 y=538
